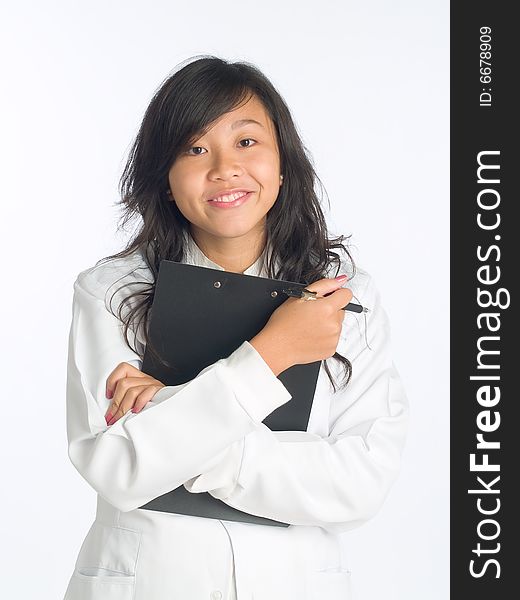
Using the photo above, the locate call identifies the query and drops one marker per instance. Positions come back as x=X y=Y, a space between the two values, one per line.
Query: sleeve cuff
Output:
x=219 y=478
x=161 y=395
x=256 y=387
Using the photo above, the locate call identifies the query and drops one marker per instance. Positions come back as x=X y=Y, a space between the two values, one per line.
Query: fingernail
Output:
x=108 y=417
x=135 y=410
x=111 y=420
x=341 y=277
x=109 y=394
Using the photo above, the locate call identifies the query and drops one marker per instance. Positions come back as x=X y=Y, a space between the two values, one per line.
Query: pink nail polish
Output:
x=108 y=418
x=341 y=277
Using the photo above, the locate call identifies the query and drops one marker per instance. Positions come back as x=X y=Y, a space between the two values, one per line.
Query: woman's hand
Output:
x=301 y=331
x=129 y=388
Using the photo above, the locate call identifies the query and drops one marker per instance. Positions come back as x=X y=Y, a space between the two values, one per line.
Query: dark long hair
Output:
x=184 y=107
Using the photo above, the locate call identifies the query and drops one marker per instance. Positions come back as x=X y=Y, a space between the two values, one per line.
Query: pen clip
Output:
x=300 y=293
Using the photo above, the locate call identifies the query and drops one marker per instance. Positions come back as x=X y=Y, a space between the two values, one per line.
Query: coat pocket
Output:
x=100 y=584
x=106 y=565
x=333 y=584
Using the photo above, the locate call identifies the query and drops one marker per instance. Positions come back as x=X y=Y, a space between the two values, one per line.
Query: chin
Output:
x=233 y=230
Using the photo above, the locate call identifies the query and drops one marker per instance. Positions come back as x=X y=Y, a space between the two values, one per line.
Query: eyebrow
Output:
x=241 y=122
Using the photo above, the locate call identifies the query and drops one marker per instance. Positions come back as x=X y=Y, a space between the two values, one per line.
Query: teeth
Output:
x=230 y=198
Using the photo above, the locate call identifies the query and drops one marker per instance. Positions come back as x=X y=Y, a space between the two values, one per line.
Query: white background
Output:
x=367 y=83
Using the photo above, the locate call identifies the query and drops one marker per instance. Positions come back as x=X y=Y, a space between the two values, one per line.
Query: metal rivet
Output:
x=274 y=294
x=217 y=284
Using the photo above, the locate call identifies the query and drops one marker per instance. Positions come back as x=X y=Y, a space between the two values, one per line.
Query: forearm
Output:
x=177 y=435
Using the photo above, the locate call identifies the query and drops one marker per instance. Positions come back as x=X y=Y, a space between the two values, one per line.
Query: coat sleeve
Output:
x=338 y=481
x=183 y=431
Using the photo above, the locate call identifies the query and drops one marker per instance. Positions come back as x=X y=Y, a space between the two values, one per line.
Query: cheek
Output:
x=185 y=187
x=267 y=171
x=177 y=179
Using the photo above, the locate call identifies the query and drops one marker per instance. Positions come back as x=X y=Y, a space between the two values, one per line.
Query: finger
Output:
x=337 y=299
x=122 y=388
x=325 y=286
x=119 y=409
x=120 y=393
x=145 y=397
x=134 y=397
x=340 y=298
x=332 y=291
x=122 y=370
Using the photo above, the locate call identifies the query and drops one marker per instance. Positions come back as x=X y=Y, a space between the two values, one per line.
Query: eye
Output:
x=196 y=153
x=189 y=151
x=247 y=140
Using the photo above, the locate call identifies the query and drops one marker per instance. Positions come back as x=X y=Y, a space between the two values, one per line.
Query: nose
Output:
x=225 y=165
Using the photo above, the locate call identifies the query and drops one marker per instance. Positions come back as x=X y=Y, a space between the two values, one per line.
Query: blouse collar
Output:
x=195 y=256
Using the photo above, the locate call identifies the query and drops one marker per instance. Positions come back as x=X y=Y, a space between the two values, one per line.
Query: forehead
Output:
x=251 y=113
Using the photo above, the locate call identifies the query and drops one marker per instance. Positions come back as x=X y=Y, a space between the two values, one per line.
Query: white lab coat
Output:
x=208 y=435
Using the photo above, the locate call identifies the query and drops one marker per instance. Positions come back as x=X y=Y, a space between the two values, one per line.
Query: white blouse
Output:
x=208 y=435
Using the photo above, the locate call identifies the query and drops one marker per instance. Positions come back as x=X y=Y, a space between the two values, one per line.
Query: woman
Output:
x=221 y=179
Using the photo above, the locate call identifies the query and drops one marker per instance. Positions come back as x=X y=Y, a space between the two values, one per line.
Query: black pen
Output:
x=304 y=293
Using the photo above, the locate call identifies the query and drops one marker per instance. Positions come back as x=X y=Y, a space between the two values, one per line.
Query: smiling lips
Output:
x=230 y=200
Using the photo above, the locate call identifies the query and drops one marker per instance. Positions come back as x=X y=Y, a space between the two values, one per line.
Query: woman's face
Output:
x=234 y=155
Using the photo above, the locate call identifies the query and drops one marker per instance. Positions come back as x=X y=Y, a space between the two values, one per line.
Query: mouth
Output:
x=230 y=201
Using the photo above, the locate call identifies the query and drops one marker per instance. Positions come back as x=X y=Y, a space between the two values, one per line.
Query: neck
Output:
x=232 y=254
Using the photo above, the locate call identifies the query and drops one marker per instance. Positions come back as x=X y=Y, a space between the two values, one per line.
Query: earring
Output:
x=281 y=179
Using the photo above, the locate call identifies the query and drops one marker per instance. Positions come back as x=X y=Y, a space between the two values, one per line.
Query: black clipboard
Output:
x=224 y=309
